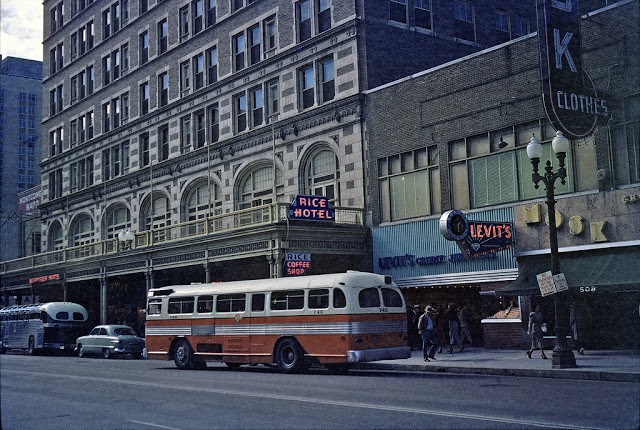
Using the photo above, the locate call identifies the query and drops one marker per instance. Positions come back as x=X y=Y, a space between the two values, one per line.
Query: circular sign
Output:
x=454 y=225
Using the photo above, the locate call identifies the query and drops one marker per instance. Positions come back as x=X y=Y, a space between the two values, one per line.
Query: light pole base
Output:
x=563 y=359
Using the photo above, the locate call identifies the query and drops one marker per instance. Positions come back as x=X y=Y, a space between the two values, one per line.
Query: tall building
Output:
x=20 y=146
x=178 y=133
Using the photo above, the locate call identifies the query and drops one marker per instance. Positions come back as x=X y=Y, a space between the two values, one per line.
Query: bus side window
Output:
x=77 y=316
x=391 y=298
x=319 y=299
x=287 y=300
x=230 y=303
x=62 y=316
x=181 y=305
x=155 y=307
x=369 y=298
x=35 y=316
x=205 y=304
x=257 y=302
x=339 y=299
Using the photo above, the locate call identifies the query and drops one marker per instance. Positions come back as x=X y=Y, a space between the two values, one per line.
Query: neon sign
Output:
x=311 y=208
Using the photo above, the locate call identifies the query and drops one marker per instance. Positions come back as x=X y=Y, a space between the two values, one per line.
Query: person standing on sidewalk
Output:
x=575 y=320
x=465 y=333
x=427 y=328
x=454 y=335
x=536 y=320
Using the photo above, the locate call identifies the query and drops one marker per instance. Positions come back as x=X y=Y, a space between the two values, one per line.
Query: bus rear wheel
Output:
x=183 y=355
x=290 y=357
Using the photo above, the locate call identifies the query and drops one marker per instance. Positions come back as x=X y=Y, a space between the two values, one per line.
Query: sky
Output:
x=21 y=29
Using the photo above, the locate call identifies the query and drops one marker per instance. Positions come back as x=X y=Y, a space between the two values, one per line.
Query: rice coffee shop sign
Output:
x=476 y=239
x=570 y=98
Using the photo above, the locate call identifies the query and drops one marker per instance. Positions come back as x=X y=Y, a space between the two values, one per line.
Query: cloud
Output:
x=21 y=29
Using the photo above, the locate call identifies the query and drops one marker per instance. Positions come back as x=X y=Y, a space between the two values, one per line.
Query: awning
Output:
x=609 y=270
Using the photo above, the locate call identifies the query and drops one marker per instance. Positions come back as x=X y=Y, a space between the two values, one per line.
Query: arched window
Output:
x=200 y=202
x=322 y=175
x=156 y=216
x=118 y=219
x=256 y=188
x=55 y=239
x=82 y=230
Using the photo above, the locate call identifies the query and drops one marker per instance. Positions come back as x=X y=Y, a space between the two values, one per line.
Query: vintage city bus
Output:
x=41 y=327
x=333 y=320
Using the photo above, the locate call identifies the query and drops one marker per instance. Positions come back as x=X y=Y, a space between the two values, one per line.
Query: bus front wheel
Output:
x=290 y=357
x=183 y=355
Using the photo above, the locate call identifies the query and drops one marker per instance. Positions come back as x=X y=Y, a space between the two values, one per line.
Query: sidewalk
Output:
x=593 y=365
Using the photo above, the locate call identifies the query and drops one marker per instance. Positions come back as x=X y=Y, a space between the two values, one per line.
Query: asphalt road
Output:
x=54 y=392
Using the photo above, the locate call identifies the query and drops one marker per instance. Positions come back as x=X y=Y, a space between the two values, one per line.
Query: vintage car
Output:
x=110 y=340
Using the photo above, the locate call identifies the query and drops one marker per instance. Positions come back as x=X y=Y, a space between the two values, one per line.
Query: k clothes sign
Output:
x=572 y=103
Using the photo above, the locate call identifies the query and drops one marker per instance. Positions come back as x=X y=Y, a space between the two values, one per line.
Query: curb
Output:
x=535 y=373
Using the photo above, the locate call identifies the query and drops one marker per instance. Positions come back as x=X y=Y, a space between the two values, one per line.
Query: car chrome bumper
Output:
x=366 y=355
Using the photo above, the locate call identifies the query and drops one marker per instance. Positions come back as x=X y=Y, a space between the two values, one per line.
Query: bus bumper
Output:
x=366 y=355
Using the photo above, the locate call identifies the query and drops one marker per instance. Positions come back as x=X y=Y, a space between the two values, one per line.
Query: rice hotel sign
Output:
x=572 y=103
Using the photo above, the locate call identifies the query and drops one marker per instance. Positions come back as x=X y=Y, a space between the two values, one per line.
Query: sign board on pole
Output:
x=546 y=284
x=560 y=282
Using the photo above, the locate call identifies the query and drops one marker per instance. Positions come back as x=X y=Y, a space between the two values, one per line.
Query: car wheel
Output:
x=183 y=356
x=106 y=353
x=31 y=348
x=137 y=355
x=289 y=357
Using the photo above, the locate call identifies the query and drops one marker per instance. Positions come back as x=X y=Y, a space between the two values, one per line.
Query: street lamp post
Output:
x=562 y=356
x=126 y=238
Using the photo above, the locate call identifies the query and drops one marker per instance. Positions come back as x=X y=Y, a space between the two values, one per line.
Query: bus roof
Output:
x=51 y=308
x=291 y=283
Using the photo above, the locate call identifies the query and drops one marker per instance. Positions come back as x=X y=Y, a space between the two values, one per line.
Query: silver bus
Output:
x=40 y=327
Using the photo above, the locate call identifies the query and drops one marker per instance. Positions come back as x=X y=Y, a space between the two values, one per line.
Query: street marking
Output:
x=262 y=396
x=152 y=425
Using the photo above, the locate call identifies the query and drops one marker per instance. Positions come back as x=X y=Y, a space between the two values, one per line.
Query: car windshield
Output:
x=124 y=331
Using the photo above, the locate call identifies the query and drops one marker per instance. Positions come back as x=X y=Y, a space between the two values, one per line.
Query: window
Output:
x=198 y=71
x=181 y=305
x=391 y=298
x=502 y=26
x=339 y=299
x=409 y=184
x=257 y=302
x=625 y=136
x=240 y=112
x=154 y=307
x=230 y=303
x=185 y=78
x=115 y=161
x=423 y=14
x=212 y=65
x=211 y=12
x=163 y=89
x=520 y=26
x=143 y=46
x=307 y=86
x=163 y=143
x=200 y=128
x=273 y=99
x=464 y=25
x=198 y=18
x=483 y=173
x=56 y=58
x=55 y=237
x=56 y=100
x=183 y=16
x=81 y=173
x=55 y=141
x=106 y=117
x=143 y=6
x=303 y=19
x=398 y=11
x=213 y=120
x=82 y=231
x=255 y=50
x=369 y=298
x=324 y=15
x=205 y=304
x=144 y=98
x=270 y=33
x=163 y=35
x=326 y=69
x=257 y=106
x=157 y=215
x=143 y=149
x=185 y=134
x=57 y=17
x=319 y=299
x=239 y=51
x=287 y=300
x=322 y=174
x=257 y=187
x=203 y=201
x=117 y=219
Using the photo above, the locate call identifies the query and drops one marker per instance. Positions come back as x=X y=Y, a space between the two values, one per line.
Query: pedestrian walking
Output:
x=575 y=319
x=536 y=330
x=465 y=332
x=427 y=328
x=454 y=324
